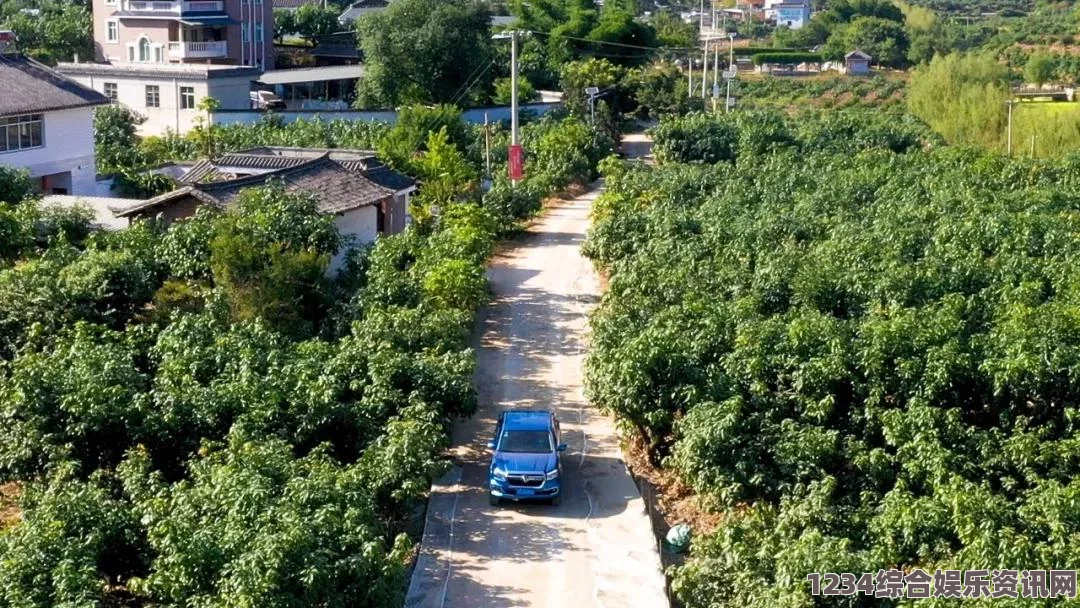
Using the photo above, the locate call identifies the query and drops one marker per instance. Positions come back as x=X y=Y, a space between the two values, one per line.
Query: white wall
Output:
x=68 y=146
x=357 y=227
x=131 y=91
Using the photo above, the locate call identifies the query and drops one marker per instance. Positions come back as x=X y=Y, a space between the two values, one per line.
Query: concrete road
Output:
x=597 y=548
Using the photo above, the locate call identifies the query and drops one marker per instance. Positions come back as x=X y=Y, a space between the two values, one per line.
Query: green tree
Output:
x=962 y=97
x=1039 y=68
x=57 y=33
x=115 y=139
x=15 y=184
x=284 y=24
x=580 y=75
x=526 y=92
x=257 y=526
x=76 y=544
x=313 y=22
x=883 y=39
x=672 y=31
x=269 y=256
x=425 y=51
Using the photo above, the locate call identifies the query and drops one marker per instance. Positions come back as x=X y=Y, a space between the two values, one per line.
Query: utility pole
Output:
x=514 y=96
x=731 y=67
x=487 y=146
x=690 y=75
x=1033 y=138
x=715 y=64
x=704 y=66
x=1008 y=145
x=513 y=88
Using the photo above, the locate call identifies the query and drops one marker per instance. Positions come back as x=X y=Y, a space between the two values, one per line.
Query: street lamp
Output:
x=594 y=93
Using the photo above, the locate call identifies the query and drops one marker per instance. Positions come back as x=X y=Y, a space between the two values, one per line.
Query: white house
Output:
x=793 y=14
x=47 y=126
x=166 y=94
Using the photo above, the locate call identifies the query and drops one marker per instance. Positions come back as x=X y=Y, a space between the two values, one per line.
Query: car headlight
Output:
x=498 y=473
x=552 y=474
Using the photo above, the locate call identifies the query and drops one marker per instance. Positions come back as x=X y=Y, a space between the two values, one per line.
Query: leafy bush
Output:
x=863 y=359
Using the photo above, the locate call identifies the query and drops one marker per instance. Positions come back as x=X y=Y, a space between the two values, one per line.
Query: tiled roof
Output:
x=364 y=162
x=336 y=188
x=388 y=178
x=29 y=86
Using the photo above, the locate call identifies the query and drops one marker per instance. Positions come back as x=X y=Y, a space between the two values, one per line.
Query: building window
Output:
x=131 y=53
x=21 y=132
x=245 y=35
x=110 y=90
x=258 y=32
x=158 y=53
x=110 y=2
x=187 y=98
x=153 y=96
x=112 y=31
x=144 y=49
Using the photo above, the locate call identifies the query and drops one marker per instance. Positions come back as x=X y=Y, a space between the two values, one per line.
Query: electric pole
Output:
x=690 y=75
x=1008 y=145
x=704 y=66
x=513 y=88
x=487 y=146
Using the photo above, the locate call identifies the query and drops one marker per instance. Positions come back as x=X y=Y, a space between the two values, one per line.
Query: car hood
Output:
x=524 y=463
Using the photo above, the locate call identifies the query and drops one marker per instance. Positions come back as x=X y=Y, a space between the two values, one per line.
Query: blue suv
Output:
x=525 y=462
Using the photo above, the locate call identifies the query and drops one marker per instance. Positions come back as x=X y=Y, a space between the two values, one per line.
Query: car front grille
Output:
x=525 y=481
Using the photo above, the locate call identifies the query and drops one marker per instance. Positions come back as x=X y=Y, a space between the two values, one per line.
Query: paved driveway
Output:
x=597 y=548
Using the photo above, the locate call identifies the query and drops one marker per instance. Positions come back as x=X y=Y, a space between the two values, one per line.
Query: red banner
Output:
x=515 y=162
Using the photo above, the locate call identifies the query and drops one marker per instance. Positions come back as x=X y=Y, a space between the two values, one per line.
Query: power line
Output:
x=472 y=84
x=470 y=76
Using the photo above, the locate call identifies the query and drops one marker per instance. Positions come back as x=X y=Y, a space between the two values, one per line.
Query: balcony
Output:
x=198 y=50
x=148 y=6
x=175 y=7
x=203 y=6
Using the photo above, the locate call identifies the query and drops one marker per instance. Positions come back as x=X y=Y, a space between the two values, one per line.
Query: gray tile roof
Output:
x=336 y=188
x=30 y=87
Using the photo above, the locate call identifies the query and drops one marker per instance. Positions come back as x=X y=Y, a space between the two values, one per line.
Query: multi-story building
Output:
x=160 y=57
x=230 y=32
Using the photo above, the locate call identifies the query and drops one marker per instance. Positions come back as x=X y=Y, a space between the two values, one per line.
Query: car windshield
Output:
x=535 y=442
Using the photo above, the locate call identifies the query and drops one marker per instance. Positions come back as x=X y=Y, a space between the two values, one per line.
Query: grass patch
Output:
x=1055 y=127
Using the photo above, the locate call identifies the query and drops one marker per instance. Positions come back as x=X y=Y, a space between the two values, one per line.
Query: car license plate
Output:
x=525 y=492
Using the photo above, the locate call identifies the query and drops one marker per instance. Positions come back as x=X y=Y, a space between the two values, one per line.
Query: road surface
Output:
x=597 y=548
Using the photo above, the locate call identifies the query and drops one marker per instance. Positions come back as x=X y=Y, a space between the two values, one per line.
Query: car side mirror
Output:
x=491 y=445
x=562 y=447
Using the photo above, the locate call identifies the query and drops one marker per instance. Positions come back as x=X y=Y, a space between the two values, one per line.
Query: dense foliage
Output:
x=697 y=138
x=425 y=51
x=199 y=416
x=865 y=358
x=50 y=30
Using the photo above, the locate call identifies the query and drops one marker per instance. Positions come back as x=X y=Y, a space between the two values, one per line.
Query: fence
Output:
x=473 y=115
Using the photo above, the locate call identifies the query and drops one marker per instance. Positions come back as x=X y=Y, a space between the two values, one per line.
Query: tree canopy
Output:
x=426 y=51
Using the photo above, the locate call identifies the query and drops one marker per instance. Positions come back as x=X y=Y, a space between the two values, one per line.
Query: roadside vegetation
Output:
x=198 y=415
x=855 y=344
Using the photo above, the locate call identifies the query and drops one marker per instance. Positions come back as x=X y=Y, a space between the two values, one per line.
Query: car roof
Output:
x=527 y=420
